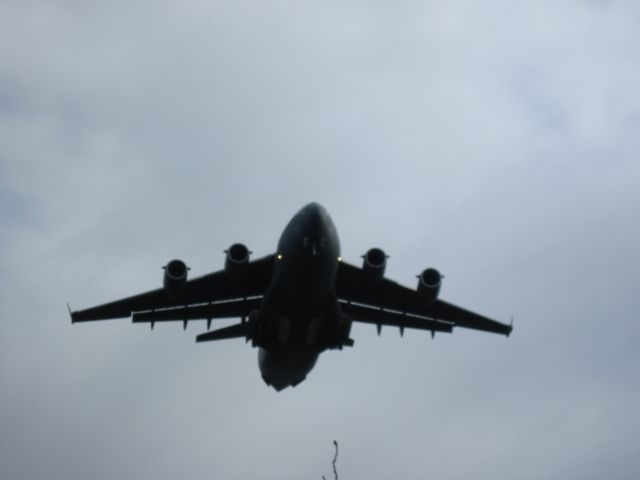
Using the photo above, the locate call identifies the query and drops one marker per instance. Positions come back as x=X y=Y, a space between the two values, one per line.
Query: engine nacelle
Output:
x=429 y=282
x=373 y=264
x=236 y=261
x=175 y=277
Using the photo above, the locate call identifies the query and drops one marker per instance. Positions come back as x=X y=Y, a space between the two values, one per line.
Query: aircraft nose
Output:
x=315 y=228
x=316 y=217
x=314 y=208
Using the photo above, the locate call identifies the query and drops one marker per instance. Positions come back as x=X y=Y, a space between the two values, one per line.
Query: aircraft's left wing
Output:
x=390 y=301
x=214 y=287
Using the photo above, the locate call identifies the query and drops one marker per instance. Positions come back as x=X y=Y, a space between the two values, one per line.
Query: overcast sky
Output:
x=497 y=141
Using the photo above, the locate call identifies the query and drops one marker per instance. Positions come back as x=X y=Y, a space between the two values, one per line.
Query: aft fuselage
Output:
x=300 y=311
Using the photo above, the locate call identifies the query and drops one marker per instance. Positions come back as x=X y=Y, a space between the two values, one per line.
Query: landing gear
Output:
x=261 y=333
x=338 y=336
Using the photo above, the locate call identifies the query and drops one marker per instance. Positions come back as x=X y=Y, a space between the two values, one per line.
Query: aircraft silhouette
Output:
x=297 y=302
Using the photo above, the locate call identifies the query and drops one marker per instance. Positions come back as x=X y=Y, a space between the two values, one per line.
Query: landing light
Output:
x=279 y=256
x=339 y=259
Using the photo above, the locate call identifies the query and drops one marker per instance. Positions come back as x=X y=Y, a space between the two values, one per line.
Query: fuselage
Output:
x=299 y=310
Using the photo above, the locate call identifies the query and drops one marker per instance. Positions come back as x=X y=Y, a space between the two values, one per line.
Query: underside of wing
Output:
x=392 y=304
x=464 y=318
x=224 y=309
x=191 y=300
x=402 y=320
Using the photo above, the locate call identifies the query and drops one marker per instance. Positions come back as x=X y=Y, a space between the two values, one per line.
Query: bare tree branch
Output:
x=335 y=472
x=335 y=457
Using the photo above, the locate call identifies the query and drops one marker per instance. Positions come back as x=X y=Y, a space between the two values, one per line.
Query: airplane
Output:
x=296 y=303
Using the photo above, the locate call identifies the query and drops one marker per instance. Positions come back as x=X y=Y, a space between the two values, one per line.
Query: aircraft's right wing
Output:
x=390 y=303
x=208 y=289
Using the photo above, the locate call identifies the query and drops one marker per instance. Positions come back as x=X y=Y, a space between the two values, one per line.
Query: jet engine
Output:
x=175 y=277
x=373 y=265
x=429 y=282
x=236 y=261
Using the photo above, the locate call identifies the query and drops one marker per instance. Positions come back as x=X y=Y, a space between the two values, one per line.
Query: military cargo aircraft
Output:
x=297 y=302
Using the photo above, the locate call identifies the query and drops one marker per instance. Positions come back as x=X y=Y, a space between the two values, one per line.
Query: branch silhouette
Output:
x=335 y=457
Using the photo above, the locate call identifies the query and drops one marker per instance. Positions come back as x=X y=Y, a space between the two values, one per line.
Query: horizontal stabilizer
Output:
x=233 y=331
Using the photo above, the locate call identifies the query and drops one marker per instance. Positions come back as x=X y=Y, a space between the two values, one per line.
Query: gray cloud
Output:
x=497 y=142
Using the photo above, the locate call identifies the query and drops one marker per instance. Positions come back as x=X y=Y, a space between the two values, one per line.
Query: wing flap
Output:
x=228 y=309
x=379 y=316
x=465 y=318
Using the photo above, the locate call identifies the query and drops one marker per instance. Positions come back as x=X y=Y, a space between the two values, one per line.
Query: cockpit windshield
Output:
x=313 y=245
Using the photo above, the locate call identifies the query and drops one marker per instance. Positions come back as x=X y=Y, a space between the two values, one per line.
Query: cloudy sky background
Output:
x=497 y=141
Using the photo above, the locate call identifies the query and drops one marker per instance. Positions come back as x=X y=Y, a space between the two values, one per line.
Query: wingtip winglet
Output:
x=510 y=326
x=70 y=313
